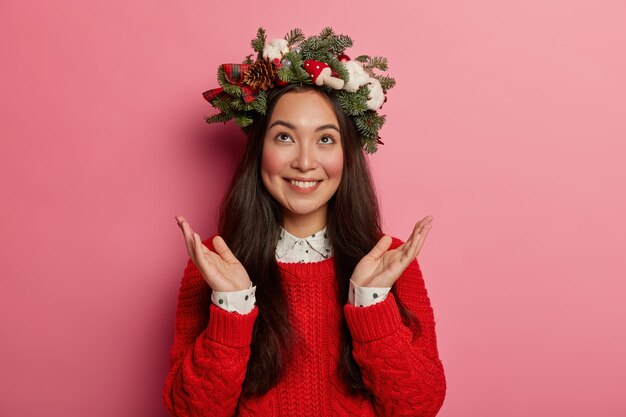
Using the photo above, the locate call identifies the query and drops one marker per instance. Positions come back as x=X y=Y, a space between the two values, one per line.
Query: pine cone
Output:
x=260 y=75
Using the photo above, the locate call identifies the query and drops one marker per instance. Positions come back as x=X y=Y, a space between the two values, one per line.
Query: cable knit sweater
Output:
x=212 y=346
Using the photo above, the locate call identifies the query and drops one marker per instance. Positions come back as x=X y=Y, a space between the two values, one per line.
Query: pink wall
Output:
x=507 y=126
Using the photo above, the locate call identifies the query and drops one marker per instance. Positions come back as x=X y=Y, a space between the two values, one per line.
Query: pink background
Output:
x=507 y=126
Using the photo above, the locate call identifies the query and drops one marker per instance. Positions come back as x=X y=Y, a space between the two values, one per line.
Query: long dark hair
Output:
x=250 y=221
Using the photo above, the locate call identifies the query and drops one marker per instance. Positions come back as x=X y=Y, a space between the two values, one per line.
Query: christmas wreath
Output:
x=295 y=59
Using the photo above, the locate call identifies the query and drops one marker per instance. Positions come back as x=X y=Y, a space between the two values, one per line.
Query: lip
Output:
x=303 y=190
x=301 y=179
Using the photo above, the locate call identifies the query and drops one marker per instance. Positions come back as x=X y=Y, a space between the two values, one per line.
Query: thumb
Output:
x=223 y=250
x=381 y=247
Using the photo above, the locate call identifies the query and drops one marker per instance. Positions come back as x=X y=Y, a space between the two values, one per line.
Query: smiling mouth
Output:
x=303 y=185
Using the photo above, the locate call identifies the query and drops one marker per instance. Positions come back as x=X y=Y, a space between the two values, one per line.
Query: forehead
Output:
x=304 y=109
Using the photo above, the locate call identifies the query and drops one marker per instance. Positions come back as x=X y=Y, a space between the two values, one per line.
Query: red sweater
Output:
x=212 y=346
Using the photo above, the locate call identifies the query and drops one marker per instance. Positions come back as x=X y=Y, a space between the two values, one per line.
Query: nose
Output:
x=305 y=158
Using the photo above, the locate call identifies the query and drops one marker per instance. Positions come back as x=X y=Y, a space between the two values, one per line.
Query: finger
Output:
x=198 y=248
x=419 y=242
x=419 y=227
x=416 y=240
x=381 y=247
x=223 y=250
x=412 y=238
x=422 y=239
x=180 y=220
x=209 y=270
x=419 y=234
x=188 y=235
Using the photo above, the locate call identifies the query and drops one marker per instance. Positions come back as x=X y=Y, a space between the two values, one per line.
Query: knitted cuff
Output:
x=231 y=328
x=373 y=322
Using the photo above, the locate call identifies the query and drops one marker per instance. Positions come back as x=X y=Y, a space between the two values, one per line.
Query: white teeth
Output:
x=304 y=184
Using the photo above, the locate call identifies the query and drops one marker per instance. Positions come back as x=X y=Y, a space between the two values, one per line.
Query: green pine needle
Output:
x=260 y=103
x=219 y=117
x=326 y=32
x=259 y=42
x=294 y=37
x=243 y=121
x=386 y=82
x=338 y=67
x=378 y=62
x=371 y=145
x=353 y=104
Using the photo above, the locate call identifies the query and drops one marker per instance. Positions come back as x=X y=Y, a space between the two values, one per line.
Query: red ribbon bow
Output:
x=234 y=75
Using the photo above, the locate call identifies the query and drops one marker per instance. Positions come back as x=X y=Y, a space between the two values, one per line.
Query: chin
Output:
x=303 y=210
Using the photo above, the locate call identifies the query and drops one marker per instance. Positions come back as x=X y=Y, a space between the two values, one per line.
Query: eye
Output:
x=327 y=140
x=283 y=137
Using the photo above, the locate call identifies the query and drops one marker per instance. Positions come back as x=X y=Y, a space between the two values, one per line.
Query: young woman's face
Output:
x=302 y=159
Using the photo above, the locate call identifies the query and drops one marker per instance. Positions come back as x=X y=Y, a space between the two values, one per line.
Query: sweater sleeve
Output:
x=209 y=355
x=400 y=368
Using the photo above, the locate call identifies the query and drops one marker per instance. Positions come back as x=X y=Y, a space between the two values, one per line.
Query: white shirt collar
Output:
x=313 y=248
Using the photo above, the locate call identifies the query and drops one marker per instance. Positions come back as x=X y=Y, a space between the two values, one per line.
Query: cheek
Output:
x=271 y=167
x=270 y=164
x=334 y=166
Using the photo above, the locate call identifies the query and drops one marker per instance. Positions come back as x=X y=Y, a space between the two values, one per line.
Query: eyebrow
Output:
x=292 y=127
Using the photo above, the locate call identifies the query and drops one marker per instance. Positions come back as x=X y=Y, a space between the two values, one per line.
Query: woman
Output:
x=338 y=321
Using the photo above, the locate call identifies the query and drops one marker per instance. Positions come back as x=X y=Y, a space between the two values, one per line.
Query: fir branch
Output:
x=222 y=80
x=301 y=76
x=309 y=48
x=333 y=44
x=314 y=54
x=340 y=44
x=258 y=43
x=362 y=58
x=338 y=67
x=326 y=32
x=294 y=37
x=361 y=126
x=223 y=104
x=294 y=72
x=248 y=59
x=369 y=124
x=246 y=107
x=260 y=103
x=239 y=105
x=325 y=46
x=219 y=117
x=386 y=82
x=353 y=104
x=378 y=62
x=378 y=120
x=243 y=121
x=233 y=90
x=284 y=73
x=371 y=145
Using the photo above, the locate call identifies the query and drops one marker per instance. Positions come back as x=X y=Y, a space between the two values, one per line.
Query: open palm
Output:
x=381 y=267
x=220 y=268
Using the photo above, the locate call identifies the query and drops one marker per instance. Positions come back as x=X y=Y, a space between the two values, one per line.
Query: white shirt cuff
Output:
x=366 y=296
x=240 y=301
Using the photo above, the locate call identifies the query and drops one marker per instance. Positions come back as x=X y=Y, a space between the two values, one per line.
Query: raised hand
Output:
x=220 y=269
x=382 y=267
